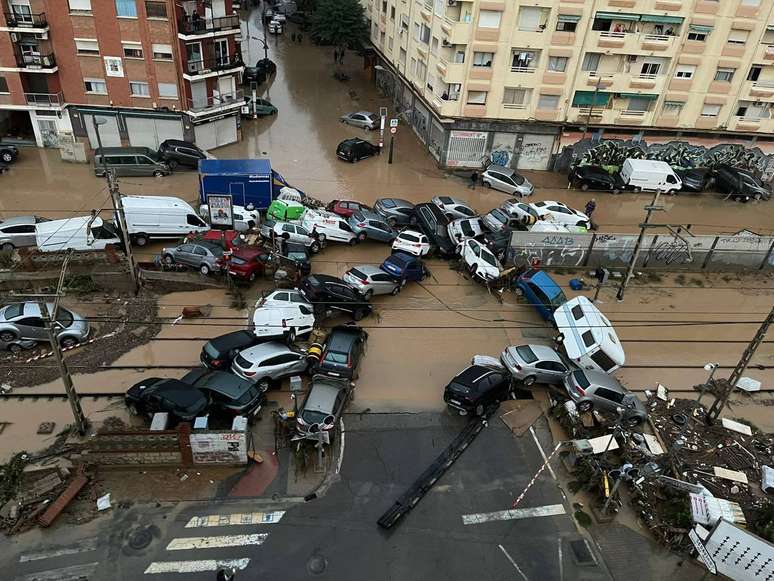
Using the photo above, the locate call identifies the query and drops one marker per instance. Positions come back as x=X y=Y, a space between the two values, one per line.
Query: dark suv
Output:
x=218 y=353
x=740 y=185
x=177 y=152
x=476 y=388
x=594 y=177
x=434 y=223
x=355 y=149
x=326 y=293
x=342 y=351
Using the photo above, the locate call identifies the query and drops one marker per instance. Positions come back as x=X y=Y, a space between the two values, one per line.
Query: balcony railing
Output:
x=606 y=34
x=647 y=76
x=208 y=65
x=45 y=99
x=36 y=61
x=523 y=69
x=204 y=25
x=763 y=84
x=21 y=20
x=656 y=37
x=514 y=106
x=632 y=113
x=215 y=101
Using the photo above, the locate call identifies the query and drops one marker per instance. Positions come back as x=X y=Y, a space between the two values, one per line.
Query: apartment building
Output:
x=153 y=69
x=519 y=79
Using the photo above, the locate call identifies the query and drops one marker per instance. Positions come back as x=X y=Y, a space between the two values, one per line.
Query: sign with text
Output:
x=219 y=447
x=221 y=210
x=704 y=555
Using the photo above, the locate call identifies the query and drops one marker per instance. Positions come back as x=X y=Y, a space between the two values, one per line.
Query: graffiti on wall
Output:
x=552 y=249
x=502 y=149
x=534 y=152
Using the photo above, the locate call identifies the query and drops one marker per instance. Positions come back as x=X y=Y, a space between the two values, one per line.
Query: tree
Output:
x=339 y=23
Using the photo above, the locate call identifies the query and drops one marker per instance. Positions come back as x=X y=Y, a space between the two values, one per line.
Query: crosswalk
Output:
x=207 y=552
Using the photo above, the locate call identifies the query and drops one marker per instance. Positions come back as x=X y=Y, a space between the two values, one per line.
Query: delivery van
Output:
x=587 y=337
x=648 y=174
x=157 y=217
x=79 y=233
x=285 y=210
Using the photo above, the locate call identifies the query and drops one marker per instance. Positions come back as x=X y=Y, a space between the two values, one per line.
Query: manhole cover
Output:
x=582 y=553
x=316 y=564
x=140 y=539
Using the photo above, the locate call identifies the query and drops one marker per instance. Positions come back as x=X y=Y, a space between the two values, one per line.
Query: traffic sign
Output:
x=394 y=122
x=393 y=130
x=704 y=555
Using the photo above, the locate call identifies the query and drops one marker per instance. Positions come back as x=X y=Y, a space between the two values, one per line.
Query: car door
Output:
x=607 y=398
x=32 y=328
x=201 y=256
x=290 y=364
x=379 y=231
x=508 y=184
x=20 y=235
x=383 y=283
x=302 y=236
x=539 y=299
x=549 y=371
x=184 y=254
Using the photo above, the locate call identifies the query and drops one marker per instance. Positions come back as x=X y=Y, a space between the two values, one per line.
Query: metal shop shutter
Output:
x=149 y=132
x=226 y=130
x=107 y=132
x=466 y=148
x=216 y=133
x=536 y=151
x=206 y=136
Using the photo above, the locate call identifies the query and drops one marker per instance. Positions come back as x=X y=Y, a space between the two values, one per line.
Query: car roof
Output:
x=598 y=378
x=369 y=215
x=397 y=202
x=233 y=339
x=400 y=257
x=368 y=269
x=294 y=247
x=181 y=392
x=18 y=220
x=323 y=279
x=470 y=375
x=248 y=251
x=266 y=350
x=501 y=169
x=322 y=396
x=544 y=281
x=221 y=382
x=543 y=352
x=362 y=113
x=181 y=142
x=341 y=338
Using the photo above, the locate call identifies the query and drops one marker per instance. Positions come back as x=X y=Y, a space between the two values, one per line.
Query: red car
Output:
x=247 y=262
x=346 y=208
x=230 y=238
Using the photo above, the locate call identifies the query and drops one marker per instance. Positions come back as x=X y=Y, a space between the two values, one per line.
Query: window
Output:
x=417 y=31
x=80 y=5
x=3 y=85
x=591 y=61
x=132 y=50
x=673 y=108
x=650 y=69
x=549 y=102
x=685 y=71
x=413 y=66
x=389 y=43
x=724 y=74
x=516 y=96
x=489 y=19
x=421 y=70
x=459 y=56
x=639 y=104
x=710 y=110
x=402 y=57
x=126 y=8
x=755 y=73
x=384 y=6
x=532 y=19
x=524 y=59
x=86 y=46
x=162 y=52
x=697 y=36
x=588 y=338
x=567 y=23
x=392 y=12
x=139 y=89
x=156 y=9
x=477 y=97
x=167 y=91
x=557 y=63
x=424 y=36
x=434 y=46
x=483 y=59
x=751 y=2
x=95 y=86
x=738 y=37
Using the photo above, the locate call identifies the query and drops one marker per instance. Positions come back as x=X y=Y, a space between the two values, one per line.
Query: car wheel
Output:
x=7 y=247
x=368 y=294
x=252 y=277
x=133 y=411
x=168 y=260
x=353 y=241
x=559 y=338
x=68 y=342
x=362 y=236
x=140 y=240
x=172 y=163
x=479 y=411
x=473 y=269
x=519 y=291
x=633 y=421
x=158 y=173
x=359 y=314
x=285 y=235
x=529 y=380
x=264 y=384
x=8 y=336
x=392 y=222
x=757 y=196
x=204 y=269
x=291 y=336
x=488 y=185
x=581 y=223
x=585 y=406
x=7 y=157
x=616 y=191
x=321 y=238
x=585 y=187
x=396 y=290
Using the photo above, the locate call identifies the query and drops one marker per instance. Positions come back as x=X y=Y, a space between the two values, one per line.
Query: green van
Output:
x=285 y=210
x=130 y=161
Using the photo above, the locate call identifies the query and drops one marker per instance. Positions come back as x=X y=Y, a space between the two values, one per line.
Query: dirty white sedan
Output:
x=479 y=259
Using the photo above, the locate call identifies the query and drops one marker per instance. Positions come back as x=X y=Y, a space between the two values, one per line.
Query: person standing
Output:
x=591 y=205
x=473 y=180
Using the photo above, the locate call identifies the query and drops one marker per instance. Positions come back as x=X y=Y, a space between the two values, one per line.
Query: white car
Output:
x=412 y=242
x=283 y=297
x=275 y=27
x=465 y=228
x=517 y=209
x=507 y=180
x=559 y=212
x=279 y=17
x=265 y=362
x=328 y=226
x=244 y=219
x=289 y=322
x=453 y=207
x=479 y=259
x=295 y=233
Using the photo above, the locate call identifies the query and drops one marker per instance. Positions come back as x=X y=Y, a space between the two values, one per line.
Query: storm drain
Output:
x=581 y=552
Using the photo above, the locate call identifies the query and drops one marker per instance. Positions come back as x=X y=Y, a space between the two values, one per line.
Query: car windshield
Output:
x=242 y=362
x=558 y=299
x=580 y=379
x=499 y=215
x=238 y=261
x=517 y=179
x=358 y=274
x=334 y=357
x=297 y=256
x=13 y=311
x=527 y=354
x=488 y=257
x=64 y=317
x=459 y=388
x=153 y=155
x=211 y=351
x=312 y=417
x=467 y=229
x=387 y=203
x=247 y=396
x=372 y=117
x=530 y=210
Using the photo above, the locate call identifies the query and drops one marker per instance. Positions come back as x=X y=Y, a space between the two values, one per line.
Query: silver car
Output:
x=516 y=209
x=371 y=226
x=266 y=362
x=507 y=180
x=534 y=364
x=594 y=389
x=371 y=280
x=323 y=406
x=465 y=228
x=23 y=322
x=398 y=212
x=453 y=207
x=204 y=256
x=497 y=221
x=19 y=232
x=362 y=119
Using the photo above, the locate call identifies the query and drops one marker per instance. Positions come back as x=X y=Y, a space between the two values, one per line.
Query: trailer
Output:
x=252 y=183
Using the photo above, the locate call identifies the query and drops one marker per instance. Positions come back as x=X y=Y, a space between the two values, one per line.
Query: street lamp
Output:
x=265 y=46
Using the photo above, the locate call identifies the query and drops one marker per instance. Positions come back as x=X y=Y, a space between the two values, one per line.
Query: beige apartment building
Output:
x=518 y=80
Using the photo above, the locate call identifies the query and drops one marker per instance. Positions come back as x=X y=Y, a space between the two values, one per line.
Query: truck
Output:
x=157 y=217
x=252 y=183
x=77 y=233
x=649 y=174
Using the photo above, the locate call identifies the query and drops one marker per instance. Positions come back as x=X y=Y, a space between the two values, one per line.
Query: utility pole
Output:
x=118 y=207
x=636 y=254
x=591 y=107
x=49 y=320
x=392 y=143
x=729 y=385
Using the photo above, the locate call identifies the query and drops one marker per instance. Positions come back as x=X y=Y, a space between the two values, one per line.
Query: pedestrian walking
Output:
x=341 y=56
x=293 y=37
x=335 y=56
x=473 y=180
x=591 y=205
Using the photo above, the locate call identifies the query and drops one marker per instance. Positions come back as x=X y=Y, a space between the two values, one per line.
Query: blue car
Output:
x=404 y=267
x=542 y=292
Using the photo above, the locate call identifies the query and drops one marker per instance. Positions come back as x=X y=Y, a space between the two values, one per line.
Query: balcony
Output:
x=17 y=21
x=763 y=89
x=619 y=40
x=632 y=117
x=748 y=123
x=446 y=107
x=211 y=67
x=215 y=103
x=452 y=73
x=47 y=100
x=45 y=63
x=456 y=32
x=656 y=41
x=207 y=27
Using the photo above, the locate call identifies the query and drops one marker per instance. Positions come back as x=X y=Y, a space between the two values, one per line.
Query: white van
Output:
x=551 y=226
x=160 y=217
x=80 y=233
x=648 y=174
x=288 y=321
x=587 y=337
x=329 y=226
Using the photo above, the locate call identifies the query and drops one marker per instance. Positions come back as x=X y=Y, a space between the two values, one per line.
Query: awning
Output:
x=569 y=18
x=586 y=99
x=661 y=19
x=770 y=28
x=638 y=96
x=701 y=28
x=618 y=16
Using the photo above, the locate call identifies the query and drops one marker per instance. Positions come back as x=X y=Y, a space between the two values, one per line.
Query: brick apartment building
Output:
x=154 y=69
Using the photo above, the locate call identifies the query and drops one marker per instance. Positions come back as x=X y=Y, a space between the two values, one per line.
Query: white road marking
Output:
x=542 y=452
x=194 y=566
x=221 y=541
x=513 y=514
x=561 y=559
x=515 y=566
x=238 y=518
x=341 y=445
x=77 y=547
x=74 y=573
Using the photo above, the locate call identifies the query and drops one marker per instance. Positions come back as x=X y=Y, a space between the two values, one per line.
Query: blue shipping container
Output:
x=249 y=181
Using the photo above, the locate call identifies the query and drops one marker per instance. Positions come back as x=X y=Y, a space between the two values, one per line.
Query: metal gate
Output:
x=216 y=133
x=536 y=151
x=150 y=132
x=466 y=148
x=420 y=120
x=107 y=132
x=435 y=142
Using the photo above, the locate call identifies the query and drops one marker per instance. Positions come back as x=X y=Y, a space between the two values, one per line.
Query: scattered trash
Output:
x=46 y=428
x=183 y=477
x=103 y=502
x=748 y=384
x=734 y=475
x=736 y=426
x=661 y=392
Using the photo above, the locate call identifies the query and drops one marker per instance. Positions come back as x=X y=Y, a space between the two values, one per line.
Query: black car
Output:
x=740 y=185
x=476 y=388
x=497 y=242
x=434 y=223
x=342 y=351
x=299 y=255
x=8 y=153
x=218 y=353
x=178 y=152
x=327 y=292
x=355 y=149
x=155 y=394
x=228 y=392
x=695 y=179
x=253 y=75
x=594 y=177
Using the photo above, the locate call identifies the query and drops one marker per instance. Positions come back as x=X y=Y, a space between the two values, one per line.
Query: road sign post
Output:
x=704 y=555
x=382 y=123
x=393 y=131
